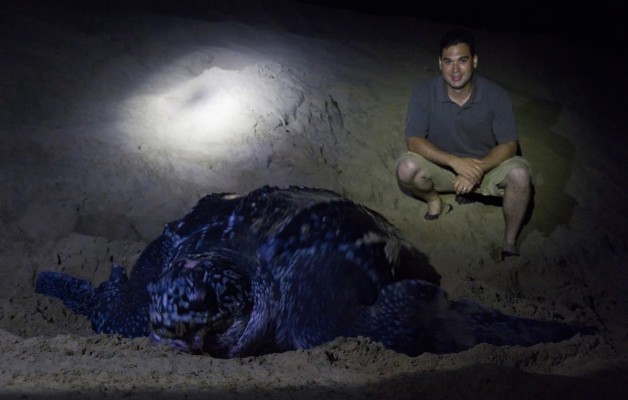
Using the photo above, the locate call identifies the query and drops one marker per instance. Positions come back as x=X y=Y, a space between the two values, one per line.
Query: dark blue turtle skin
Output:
x=279 y=269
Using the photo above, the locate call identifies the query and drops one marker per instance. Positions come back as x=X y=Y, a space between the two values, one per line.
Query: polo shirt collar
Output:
x=476 y=94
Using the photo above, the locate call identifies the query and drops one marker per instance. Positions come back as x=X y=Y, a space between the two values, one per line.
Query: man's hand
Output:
x=462 y=185
x=469 y=168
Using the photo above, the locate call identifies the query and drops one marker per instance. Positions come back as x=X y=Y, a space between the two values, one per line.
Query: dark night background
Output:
x=590 y=22
x=583 y=20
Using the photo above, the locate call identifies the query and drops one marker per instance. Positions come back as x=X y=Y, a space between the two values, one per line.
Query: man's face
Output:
x=457 y=65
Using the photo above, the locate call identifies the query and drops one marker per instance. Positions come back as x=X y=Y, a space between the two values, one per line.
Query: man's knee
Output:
x=406 y=170
x=519 y=178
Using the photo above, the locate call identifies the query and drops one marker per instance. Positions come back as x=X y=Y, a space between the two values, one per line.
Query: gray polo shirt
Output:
x=468 y=131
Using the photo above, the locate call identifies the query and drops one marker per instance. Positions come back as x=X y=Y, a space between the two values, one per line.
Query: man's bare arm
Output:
x=499 y=154
x=470 y=168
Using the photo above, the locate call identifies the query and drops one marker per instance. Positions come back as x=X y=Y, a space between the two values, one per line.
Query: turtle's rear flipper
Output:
x=414 y=316
x=76 y=294
x=490 y=326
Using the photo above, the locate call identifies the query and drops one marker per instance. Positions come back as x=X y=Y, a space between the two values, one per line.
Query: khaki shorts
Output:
x=443 y=178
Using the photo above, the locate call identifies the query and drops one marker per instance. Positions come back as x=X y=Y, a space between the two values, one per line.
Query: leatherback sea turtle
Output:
x=287 y=268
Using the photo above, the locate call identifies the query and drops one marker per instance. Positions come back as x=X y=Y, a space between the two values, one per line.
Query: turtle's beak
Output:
x=194 y=346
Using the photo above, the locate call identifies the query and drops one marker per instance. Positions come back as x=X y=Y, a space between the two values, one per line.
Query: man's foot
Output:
x=500 y=254
x=445 y=209
x=464 y=199
x=507 y=253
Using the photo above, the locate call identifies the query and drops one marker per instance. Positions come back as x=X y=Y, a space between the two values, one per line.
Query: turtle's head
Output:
x=197 y=300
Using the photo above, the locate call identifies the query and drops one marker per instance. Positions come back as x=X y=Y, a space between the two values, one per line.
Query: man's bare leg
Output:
x=414 y=180
x=516 y=198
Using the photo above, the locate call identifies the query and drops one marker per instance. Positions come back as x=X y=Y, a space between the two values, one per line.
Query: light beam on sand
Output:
x=199 y=117
x=216 y=108
x=208 y=109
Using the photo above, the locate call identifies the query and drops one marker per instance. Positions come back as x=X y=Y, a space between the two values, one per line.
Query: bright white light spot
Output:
x=207 y=109
x=217 y=108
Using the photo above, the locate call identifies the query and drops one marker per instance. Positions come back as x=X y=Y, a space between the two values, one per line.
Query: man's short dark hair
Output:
x=457 y=36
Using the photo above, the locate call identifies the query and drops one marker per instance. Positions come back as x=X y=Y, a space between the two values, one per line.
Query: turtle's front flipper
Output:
x=113 y=307
x=76 y=294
